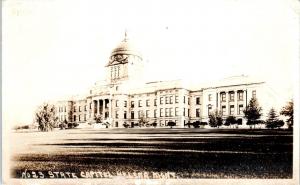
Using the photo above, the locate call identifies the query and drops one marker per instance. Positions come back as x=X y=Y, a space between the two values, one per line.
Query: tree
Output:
x=230 y=120
x=171 y=124
x=215 y=119
x=46 y=117
x=252 y=112
x=273 y=121
x=288 y=111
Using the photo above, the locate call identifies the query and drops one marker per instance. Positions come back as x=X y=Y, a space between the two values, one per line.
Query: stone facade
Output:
x=123 y=98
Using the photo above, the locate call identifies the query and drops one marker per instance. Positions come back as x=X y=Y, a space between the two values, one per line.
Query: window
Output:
x=118 y=73
x=241 y=107
x=197 y=113
x=140 y=103
x=74 y=108
x=170 y=112
x=188 y=101
x=161 y=112
x=176 y=111
x=147 y=113
x=132 y=114
x=140 y=113
x=111 y=72
x=90 y=105
x=188 y=112
x=231 y=96
x=183 y=99
x=147 y=103
x=176 y=99
x=161 y=100
x=183 y=111
x=231 y=111
x=65 y=109
x=161 y=123
x=254 y=94
x=209 y=109
x=223 y=110
x=74 y=117
x=85 y=108
x=117 y=103
x=154 y=113
x=209 y=97
x=84 y=117
x=240 y=95
x=125 y=103
x=66 y=118
x=198 y=101
x=79 y=118
x=117 y=115
x=79 y=108
x=171 y=99
x=125 y=114
x=167 y=99
x=166 y=112
x=223 y=96
x=155 y=102
x=132 y=104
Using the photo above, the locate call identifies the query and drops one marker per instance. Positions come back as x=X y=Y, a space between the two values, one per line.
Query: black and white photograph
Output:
x=150 y=92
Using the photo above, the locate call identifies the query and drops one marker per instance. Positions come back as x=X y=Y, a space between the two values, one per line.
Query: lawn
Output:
x=187 y=153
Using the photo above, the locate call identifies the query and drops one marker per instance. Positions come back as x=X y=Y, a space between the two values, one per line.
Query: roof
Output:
x=119 y=54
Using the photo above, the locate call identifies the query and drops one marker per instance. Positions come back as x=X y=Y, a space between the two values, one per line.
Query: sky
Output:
x=58 y=48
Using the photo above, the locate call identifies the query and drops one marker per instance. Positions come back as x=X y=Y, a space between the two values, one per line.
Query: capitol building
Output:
x=123 y=97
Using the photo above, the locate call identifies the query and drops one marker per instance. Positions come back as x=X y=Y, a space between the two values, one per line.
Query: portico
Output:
x=101 y=106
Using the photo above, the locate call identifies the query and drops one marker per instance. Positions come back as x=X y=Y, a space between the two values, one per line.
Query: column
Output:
x=236 y=106
x=103 y=109
x=93 y=110
x=99 y=112
x=227 y=96
x=110 y=108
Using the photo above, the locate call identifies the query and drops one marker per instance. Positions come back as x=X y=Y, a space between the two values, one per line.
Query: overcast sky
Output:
x=56 y=48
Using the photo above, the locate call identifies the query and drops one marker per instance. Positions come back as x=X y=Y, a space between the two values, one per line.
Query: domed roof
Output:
x=126 y=47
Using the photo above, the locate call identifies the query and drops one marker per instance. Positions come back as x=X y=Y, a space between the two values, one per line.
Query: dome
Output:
x=126 y=48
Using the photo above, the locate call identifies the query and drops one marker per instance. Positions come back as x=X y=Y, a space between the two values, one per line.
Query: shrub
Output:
x=171 y=124
x=72 y=125
x=275 y=124
x=62 y=126
x=154 y=124
x=126 y=125
x=230 y=120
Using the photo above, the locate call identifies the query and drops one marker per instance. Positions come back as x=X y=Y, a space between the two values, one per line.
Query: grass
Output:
x=189 y=153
